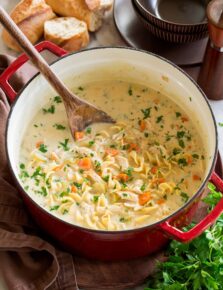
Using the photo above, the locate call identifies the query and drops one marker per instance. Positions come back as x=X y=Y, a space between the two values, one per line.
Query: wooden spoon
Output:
x=80 y=113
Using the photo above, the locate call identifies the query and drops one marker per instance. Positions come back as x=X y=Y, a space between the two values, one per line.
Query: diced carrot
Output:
x=78 y=135
x=133 y=146
x=196 y=177
x=159 y=180
x=144 y=198
x=57 y=168
x=184 y=119
x=142 y=125
x=111 y=151
x=39 y=143
x=154 y=170
x=189 y=159
x=122 y=176
x=85 y=163
x=160 y=201
x=73 y=188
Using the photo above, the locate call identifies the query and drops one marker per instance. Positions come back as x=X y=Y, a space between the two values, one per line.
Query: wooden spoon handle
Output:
x=36 y=57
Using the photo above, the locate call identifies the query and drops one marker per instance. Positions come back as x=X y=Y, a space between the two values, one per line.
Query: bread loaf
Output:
x=99 y=5
x=77 y=9
x=30 y=16
x=67 y=32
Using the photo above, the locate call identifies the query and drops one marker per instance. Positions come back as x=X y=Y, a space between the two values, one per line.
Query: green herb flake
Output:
x=59 y=127
x=181 y=143
x=220 y=124
x=43 y=148
x=184 y=196
x=129 y=171
x=65 y=144
x=88 y=130
x=178 y=114
x=122 y=219
x=159 y=119
x=22 y=166
x=35 y=125
x=55 y=207
x=105 y=178
x=130 y=91
x=95 y=198
x=146 y=134
x=182 y=162
x=176 y=151
x=195 y=156
x=57 y=99
x=80 y=88
x=146 y=113
x=91 y=143
x=50 y=110
x=143 y=187
x=78 y=185
x=43 y=191
x=65 y=211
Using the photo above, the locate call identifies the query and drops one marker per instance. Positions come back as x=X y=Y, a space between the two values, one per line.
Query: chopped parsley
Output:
x=178 y=114
x=180 y=134
x=122 y=219
x=59 y=127
x=146 y=134
x=143 y=187
x=55 y=207
x=38 y=172
x=95 y=198
x=196 y=156
x=105 y=178
x=184 y=196
x=130 y=91
x=146 y=113
x=181 y=143
x=159 y=119
x=57 y=99
x=50 y=110
x=182 y=162
x=80 y=88
x=91 y=143
x=43 y=148
x=220 y=124
x=176 y=151
x=78 y=185
x=65 y=211
x=65 y=144
x=128 y=171
x=88 y=130
x=22 y=166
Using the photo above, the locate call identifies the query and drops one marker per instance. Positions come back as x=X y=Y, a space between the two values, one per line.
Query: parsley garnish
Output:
x=57 y=99
x=220 y=124
x=59 y=127
x=184 y=196
x=91 y=143
x=55 y=207
x=43 y=148
x=88 y=130
x=143 y=187
x=50 y=110
x=196 y=156
x=78 y=185
x=178 y=114
x=182 y=162
x=159 y=119
x=128 y=171
x=176 y=151
x=181 y=143
x=95 y=198
x=130 y=91
x=105 y=178
x=22 y=166
x=65 y=144
x=146 y=113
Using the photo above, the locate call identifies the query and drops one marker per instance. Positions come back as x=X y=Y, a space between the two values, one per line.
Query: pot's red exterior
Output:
x=104 y=245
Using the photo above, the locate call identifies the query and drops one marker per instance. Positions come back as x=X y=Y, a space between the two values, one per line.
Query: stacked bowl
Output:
x=176 y=21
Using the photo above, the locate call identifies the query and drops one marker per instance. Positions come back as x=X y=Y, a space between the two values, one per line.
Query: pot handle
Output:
x=23 y=58
x=199 y=228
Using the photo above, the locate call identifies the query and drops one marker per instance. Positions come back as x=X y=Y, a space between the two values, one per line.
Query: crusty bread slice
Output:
x=99 y=5
x=67 y=32
x=30 y=16
x=77 y=9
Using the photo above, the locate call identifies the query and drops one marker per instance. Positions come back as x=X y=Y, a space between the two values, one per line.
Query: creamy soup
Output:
x=113 y=176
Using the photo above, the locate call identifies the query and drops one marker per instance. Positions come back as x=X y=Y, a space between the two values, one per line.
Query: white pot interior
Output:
x=114 y=63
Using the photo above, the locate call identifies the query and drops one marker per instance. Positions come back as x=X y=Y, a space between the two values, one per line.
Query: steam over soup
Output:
x=114 y=176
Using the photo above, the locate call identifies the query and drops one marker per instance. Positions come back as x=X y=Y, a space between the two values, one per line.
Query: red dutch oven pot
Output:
x=142 y=66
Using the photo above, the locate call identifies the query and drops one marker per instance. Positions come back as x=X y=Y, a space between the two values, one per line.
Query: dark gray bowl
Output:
x=168 y=35
x=178 y=16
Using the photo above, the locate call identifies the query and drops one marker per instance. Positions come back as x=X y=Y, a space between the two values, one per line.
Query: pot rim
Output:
x=129 y=231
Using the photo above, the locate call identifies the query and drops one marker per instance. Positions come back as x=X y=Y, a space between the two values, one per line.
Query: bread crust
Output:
x=30 y=16
x=68 y=41
x=99 y=5
x=77 y=9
